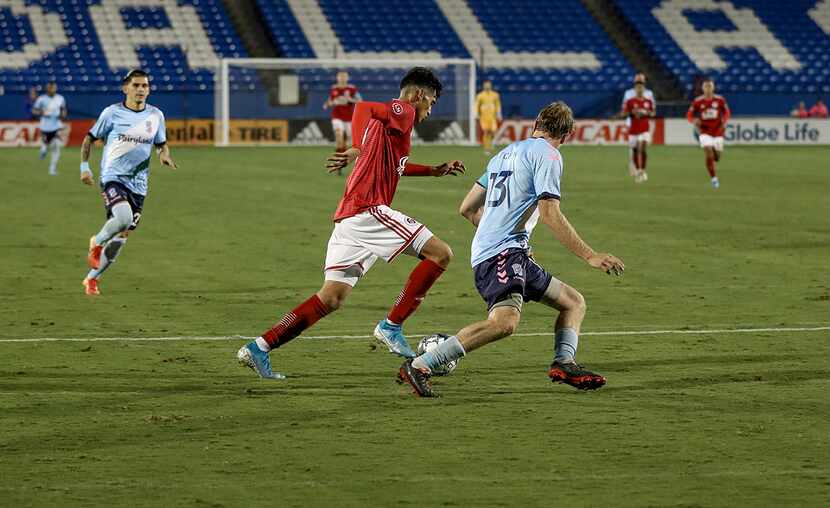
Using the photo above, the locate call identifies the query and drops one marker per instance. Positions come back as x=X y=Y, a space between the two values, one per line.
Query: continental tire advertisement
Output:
x=203 y=132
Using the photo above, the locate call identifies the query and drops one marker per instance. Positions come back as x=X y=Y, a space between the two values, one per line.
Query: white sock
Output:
x=262 y=344
x=56 y=155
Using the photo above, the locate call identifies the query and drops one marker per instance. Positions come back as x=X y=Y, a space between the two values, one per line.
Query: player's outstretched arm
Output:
x=454 y=168
x=472 y=208
x=164 y=156
x=86 y=148
x=551 y=215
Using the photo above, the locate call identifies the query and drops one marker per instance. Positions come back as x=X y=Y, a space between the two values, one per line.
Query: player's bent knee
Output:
x=572 y=300
x=441 y=254
x=506 y=326
x=334 y=294
x=504 y=320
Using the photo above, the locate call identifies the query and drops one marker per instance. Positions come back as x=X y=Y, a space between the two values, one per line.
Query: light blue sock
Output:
x=565 y=342
x=447 y=351
x=108 y=255
x=122 y=217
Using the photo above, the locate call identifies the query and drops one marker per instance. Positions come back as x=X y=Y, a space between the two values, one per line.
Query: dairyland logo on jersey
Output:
x=124 y=138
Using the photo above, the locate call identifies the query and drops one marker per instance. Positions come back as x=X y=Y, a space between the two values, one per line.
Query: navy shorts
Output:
x=511 y=272
x=115 y=192
x=48 y=136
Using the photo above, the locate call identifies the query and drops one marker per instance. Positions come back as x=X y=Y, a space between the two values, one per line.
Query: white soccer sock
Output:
x=56 y=155
x=262 y=344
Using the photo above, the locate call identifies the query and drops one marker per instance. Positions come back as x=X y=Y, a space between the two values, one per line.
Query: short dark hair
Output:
x=556 y=119
x=422 y=77
x=134 y=73
x=707 y=78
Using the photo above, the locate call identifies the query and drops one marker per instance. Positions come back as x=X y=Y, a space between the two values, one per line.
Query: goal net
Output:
x=279 y=101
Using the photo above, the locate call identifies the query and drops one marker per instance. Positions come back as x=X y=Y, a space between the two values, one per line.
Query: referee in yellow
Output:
x=488 y=109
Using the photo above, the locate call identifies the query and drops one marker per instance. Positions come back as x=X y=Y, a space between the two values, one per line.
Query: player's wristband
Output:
x=85 y=167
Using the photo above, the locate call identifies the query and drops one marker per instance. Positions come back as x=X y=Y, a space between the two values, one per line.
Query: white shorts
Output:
x=634 y=139
x=338 y=124
x=715 y=142
x=380 y=232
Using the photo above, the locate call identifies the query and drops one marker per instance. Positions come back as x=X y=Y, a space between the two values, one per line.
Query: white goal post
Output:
x=279 y=101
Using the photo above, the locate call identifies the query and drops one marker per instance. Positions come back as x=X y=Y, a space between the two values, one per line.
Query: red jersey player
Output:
x=709 y=113
x=639 y=109
x=342 y=98
x=366 y=228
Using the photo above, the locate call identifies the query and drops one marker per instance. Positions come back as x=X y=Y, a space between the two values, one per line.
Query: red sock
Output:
x=420 y=280
x=710 y=165
x=293 y=323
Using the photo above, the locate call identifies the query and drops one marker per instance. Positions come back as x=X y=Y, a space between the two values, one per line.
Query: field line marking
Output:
x=525 y=334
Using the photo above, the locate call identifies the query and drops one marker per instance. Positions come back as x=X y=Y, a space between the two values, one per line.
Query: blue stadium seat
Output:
x=787 y=21
x=81 y=65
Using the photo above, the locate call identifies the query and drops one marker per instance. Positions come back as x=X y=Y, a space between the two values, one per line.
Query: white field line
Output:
x=525 y=334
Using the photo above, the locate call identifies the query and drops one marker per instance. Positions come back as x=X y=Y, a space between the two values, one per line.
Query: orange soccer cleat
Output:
x=94 y=257
x=91 y=287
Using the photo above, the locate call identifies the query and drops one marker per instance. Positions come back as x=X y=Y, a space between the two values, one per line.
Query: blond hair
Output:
x=556 y=120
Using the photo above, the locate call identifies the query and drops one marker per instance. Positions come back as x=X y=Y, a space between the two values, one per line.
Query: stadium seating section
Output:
x=364 y=26
x=79 y=63
x=747 y=70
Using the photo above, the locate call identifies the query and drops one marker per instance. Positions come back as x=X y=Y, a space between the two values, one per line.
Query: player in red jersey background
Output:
x=342 y=98
x=709 y=113
x=367 y=228
x=639 y=109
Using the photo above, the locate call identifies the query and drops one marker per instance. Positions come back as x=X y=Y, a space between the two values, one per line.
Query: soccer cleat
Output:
x=91 y=287
x=416 y=378
x=93 y=259
x=571 y=373
x=715 y=182
x=392 y=337
x=251 y=356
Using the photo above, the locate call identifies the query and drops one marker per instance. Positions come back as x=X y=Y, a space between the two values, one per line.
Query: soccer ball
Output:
x=429 y=343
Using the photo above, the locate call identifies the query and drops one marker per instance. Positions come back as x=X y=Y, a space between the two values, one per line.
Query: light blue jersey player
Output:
x=50 y=108
x=130 y=130
x=516 y=179
x=523 y=178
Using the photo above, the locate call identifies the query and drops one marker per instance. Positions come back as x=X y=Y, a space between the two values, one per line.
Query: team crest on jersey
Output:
x=397 y=108
x=149 y=126
x=402 y=164
x=410 y=220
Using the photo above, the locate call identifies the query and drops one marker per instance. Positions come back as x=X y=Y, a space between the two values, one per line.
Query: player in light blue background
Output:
x=523 y=177
x=50 y=108
x=130 y=130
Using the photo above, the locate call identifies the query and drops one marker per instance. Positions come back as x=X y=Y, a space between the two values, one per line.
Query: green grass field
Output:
x=236 y=237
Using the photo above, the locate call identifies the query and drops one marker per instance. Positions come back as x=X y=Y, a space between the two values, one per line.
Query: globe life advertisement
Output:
x=678 y=131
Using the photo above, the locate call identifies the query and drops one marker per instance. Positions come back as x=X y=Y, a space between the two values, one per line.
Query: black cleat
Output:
x=572 y=373
x=417 y=379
